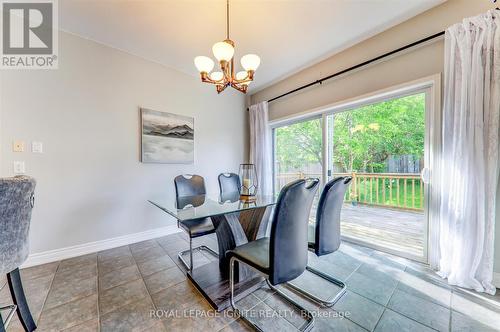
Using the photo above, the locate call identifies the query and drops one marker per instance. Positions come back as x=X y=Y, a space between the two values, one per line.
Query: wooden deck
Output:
x=390 y=228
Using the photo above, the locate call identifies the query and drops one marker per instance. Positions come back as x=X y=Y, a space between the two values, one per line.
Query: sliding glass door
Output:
x=383 y=146
x=298 y=153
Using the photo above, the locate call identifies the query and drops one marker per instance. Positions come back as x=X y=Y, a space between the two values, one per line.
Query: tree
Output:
x=298 y=145
x=363 y=138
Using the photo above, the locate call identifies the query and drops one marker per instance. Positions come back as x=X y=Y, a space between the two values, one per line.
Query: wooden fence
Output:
x=395 y=190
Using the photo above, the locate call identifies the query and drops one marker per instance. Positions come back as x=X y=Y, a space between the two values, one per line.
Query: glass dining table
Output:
x=236 y=222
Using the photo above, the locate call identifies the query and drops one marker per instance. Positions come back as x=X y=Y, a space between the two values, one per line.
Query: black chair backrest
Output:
x=288 y=243
x=327 y=235
x=190 y=201
x=229 y=183
x=189 y=185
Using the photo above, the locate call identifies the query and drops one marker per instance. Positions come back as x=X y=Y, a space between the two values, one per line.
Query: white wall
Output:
x=91 y=185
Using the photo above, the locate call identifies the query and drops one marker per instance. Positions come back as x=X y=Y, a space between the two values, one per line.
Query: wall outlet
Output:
x=37 y=147
x=19 y=167
x=18 y=146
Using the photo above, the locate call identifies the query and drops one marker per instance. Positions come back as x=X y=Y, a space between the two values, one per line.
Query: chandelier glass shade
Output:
x=224 y=53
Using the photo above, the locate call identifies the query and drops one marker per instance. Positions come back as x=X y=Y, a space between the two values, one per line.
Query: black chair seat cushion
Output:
x=255 y=254
x=197 y=227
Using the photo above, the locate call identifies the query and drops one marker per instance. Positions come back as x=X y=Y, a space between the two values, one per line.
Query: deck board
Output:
x=399 y=230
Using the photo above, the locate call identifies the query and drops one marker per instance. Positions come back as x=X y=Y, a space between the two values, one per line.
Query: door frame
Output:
x=431 y=85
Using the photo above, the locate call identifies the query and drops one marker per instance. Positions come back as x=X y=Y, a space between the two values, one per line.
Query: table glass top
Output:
x=202 y=206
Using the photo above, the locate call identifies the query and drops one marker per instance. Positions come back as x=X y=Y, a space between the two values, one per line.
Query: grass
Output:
x=414 y=197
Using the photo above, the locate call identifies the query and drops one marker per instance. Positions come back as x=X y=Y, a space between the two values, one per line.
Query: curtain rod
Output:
x=321 y=80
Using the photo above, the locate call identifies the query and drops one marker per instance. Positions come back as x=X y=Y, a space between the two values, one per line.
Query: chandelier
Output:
x=223 y=52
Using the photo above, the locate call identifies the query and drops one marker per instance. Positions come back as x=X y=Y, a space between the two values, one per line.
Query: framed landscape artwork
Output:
x=166 y=138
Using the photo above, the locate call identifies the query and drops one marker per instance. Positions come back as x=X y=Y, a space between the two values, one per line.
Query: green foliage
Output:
x=363 y=138
x=299 y=145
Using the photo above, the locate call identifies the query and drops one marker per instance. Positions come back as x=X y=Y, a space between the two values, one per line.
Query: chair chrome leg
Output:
x=17 y=293
x=4 y=325
x=308 y=326
x=190 y=254
x=322 y=301
x=181 y=254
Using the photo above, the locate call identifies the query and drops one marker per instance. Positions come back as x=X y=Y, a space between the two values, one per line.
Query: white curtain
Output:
x=260 y=146
x=469 y=165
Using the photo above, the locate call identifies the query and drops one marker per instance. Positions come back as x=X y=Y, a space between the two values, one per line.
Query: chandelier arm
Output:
x=221 y=88
x=232 y=70
x=240 y=88
x=248 y=78
x=206 y=79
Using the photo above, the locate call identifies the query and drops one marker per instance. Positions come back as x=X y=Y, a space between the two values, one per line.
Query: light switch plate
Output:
x=37 y=147
x=18 y=146
x=19 y=167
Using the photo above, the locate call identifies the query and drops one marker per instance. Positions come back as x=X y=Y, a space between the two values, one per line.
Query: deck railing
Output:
x=395 y=190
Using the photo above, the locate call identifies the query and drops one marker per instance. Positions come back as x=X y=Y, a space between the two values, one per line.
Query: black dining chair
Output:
x=187 y=186
x=282 y=256
x=229 y=183
x=327 y=235
x=16 y=204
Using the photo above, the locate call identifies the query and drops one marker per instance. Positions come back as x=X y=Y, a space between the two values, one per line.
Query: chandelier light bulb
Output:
x=216 y=75
x=204 y=64
x=241 y=75
x=250 y=62
x=223 y=51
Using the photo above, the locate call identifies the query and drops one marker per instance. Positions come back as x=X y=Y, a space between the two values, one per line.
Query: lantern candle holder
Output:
x=249 y=183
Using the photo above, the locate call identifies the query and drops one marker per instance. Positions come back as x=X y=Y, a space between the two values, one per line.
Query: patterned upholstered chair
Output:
x=16 y=203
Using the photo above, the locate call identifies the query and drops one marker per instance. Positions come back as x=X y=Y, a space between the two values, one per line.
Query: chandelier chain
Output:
x=227 y=19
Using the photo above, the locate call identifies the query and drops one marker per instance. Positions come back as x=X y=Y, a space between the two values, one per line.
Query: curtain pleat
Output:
x=260 y=146
x=469 y=166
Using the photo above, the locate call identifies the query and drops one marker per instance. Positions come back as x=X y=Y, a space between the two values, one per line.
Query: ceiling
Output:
x=288 y=35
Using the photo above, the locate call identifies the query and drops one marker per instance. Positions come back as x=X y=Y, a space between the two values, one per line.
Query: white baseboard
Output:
x=87 y=248
x=496 y=279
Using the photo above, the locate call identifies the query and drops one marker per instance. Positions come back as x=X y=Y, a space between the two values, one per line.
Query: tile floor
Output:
x=117 y=289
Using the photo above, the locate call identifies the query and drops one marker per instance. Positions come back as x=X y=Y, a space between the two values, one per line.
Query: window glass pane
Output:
x=381 y=146
x=298 y=154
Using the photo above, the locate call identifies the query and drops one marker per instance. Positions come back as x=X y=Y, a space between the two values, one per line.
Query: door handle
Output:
x=425 y=175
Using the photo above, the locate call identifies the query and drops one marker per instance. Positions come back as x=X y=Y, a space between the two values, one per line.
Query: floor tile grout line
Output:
x=47 y=296
x=143 y=282
x=451 y=310
x=395 y=310
x=412 y=319
x=379 y=319
x=73 y=300
x=296 y=307
x=400 y=313
x=119 y=307
x=384 y=306
x=80 y=324
x=357 y=268
x=231 y=322
x=364 y=328
x=98 y=296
